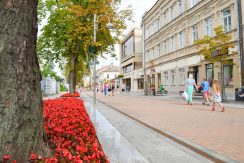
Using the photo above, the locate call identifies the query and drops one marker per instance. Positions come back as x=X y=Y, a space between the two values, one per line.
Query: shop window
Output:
x=159 y=79
x=228 y=75
x=140 y=83
x=209 y=72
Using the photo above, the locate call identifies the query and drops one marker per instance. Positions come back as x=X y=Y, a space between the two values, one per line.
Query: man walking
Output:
x=205 y=88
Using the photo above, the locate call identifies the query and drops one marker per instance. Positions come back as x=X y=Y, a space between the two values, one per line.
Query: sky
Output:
x=139 y=7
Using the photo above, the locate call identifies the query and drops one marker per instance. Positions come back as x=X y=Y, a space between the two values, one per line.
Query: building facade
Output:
x=108 y=75
x=170 y=28
x=50 y=86
x=131 y=61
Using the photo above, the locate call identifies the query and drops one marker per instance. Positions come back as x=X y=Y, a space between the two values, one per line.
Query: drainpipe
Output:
x=240 y=39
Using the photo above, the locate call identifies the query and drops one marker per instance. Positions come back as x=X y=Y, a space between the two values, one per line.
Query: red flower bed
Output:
x=70 y=131
x=76 y=94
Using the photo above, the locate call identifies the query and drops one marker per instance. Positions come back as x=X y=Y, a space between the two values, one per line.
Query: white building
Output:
x=108 y=74
x=50 y=86
x=170 y=28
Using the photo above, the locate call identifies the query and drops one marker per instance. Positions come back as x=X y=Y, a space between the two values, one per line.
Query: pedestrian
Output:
x=190 y=83
x=109 y=90
x=216 y=95
x=118 y=91
x=205 y=89
x=113 y=90
x=105 y=89
x=127 y=88
x=123 y=87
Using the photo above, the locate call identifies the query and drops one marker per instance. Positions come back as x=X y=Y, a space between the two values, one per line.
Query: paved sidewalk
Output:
x=196 y=99
x=127 y=141
x=217 y=131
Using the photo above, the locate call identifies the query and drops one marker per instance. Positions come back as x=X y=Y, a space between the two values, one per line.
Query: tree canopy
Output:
x=69 y=30
x=217 y=49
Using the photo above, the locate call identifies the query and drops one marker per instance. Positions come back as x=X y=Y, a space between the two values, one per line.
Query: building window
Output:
x=172 y=12
x=209 y=26
x=181 y=6
x=182 y=39
x=166 y=78
x=128 y=47
x=158 y=50
x=173 y=43
x=162 y=20
x=167 y=15
x=209 y=72
x=140 y=83
x=159 y=79
x=182 y=76
x=166 y=46
x=194 y=33
x=227 y=20
x=127 y=69
x=228 y=74
x=193 y=3
x=153 y=53
x=165 y=18
x=107 y=76
x=158 y=24
x=173 y=77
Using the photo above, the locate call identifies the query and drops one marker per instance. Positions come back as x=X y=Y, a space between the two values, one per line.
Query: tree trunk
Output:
x=72 y=76
x=21 y=114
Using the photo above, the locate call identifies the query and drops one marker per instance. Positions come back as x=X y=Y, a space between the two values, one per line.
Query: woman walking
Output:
x=190 y=83
x=216 y=95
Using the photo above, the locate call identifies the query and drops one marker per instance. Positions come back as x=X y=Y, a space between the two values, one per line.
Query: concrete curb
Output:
x=203 y=151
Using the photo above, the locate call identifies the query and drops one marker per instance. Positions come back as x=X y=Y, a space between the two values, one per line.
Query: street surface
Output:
x=219 y=134
x=127 y=141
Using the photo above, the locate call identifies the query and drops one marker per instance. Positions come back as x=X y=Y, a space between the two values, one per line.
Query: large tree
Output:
x=69 y=31
x=21 y=117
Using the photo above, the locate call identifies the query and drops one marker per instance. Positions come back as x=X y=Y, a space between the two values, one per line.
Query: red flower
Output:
x=70 y=131
x=6 y=157
x=33 y=156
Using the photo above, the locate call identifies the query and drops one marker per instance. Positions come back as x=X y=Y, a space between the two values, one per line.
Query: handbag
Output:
x=185 y=95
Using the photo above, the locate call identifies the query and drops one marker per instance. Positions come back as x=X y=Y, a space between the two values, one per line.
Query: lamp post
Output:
x=108 y=26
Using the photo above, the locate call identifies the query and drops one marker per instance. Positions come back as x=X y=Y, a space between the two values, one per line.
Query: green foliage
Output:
x=47 y=70
x=63 y=88
x=217 y=49
x=120 y=76
x=69 y=31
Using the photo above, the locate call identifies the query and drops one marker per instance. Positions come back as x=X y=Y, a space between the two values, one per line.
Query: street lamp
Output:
x=108 y=26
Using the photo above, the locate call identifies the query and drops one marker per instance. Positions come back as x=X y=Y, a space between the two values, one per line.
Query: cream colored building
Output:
x=107 y=74
x=170 y=28
x=131 y=61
